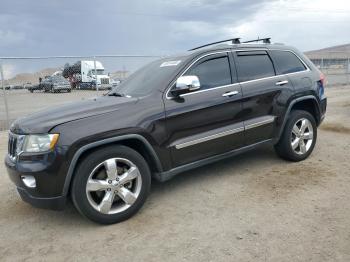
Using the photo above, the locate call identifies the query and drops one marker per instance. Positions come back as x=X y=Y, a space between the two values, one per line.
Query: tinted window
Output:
x=212 y=72
x=286 y=62
x=253 y=65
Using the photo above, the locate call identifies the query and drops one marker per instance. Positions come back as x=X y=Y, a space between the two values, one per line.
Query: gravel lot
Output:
x=254 y=207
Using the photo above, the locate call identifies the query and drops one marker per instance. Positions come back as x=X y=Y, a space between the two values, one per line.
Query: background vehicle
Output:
x=55 y=83
x=82 y=75
x=27 y=85
x=174 y=114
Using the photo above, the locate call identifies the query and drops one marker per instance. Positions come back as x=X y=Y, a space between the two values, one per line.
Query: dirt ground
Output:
x=254 y=207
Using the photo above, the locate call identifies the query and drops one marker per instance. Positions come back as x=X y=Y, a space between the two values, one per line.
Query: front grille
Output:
x=12 y=145
x=104 y=81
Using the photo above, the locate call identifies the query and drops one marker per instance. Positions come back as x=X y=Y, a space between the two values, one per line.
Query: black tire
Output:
x=87 y=165
x=284 y=147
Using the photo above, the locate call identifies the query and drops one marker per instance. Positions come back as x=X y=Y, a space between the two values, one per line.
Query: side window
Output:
x=286 y=62
x=212 y=71
x=253 y=65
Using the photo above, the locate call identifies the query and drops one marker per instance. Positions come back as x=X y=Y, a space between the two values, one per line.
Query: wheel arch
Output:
x=308 y=103
x=134 y=141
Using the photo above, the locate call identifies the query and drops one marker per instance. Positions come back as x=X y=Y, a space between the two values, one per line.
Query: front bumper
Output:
x=54 y=203
x=65 y=87
x=49 y=177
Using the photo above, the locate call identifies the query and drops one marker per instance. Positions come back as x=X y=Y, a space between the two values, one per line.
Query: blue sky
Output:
x=53 y=27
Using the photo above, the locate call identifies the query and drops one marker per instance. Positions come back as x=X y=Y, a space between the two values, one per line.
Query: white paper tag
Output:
x=170 y=63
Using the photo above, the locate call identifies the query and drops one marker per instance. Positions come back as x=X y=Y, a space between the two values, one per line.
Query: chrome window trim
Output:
x=204 y=90
x=208 y=138
x=187 y=68
x=238 y=83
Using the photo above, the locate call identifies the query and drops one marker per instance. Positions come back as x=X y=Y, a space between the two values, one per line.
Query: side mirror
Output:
x=185 y=84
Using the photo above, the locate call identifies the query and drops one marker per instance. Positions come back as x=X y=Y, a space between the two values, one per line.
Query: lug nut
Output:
x=109 y=181
x=108 y=189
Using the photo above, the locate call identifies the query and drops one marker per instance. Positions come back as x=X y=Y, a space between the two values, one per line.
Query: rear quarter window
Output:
x=253 y=65
x=286 y=62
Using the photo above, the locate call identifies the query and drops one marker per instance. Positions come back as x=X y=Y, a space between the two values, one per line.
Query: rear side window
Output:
x=212 y=72
x=253 y=65
x=286 y=62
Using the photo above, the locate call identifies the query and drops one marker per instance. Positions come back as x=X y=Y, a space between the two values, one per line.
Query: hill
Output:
x=339 y=51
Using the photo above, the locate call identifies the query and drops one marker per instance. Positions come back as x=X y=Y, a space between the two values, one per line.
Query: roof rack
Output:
x=264 y=40
x=234 y=41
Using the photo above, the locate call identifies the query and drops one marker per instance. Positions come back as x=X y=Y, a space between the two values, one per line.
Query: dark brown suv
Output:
x=172 y=115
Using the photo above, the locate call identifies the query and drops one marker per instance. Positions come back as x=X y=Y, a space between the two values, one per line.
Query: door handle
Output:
x=281 y=83
x=230 y=93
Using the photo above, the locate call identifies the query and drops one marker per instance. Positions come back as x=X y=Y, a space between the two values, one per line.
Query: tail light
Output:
x=321 y=84
x=322 y=79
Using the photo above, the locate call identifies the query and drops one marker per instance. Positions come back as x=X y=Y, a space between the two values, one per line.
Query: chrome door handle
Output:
x=281 y=83
x=231 y=93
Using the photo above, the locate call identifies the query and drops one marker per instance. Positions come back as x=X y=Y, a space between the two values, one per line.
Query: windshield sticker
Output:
x=170 y=63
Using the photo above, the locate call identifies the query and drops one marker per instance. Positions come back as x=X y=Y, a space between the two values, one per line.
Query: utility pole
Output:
x=5 y=97
x=95 y=73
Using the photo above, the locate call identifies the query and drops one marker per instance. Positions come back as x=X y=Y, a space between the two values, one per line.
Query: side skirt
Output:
x=166 y=175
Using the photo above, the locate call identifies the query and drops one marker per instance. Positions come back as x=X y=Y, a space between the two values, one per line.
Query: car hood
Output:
x=43 y=121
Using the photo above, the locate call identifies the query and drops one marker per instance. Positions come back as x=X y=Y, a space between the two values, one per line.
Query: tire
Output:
x=298 y=143
x=94 y=203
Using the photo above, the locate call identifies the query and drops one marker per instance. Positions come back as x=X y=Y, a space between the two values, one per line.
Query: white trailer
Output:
x=90 y=78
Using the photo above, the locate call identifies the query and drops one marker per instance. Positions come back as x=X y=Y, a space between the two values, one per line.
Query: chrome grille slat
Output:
x=12 y=145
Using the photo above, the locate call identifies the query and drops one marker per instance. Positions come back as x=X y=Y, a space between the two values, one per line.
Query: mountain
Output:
x=33 y=78
x=339 y=51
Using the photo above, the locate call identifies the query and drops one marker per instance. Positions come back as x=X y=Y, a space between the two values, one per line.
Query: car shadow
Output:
x=70 y=217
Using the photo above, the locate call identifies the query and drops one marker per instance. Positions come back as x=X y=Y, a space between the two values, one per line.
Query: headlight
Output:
x=39 y=143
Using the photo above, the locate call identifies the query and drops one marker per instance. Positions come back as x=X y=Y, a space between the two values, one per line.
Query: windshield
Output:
x=99 y=72
x=155 y=75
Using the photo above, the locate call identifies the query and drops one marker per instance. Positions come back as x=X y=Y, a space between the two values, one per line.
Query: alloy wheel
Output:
x=113 y=186
x=302 y=136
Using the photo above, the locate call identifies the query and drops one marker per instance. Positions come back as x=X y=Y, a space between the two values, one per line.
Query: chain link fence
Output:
x=335 y=66
x=30 y=84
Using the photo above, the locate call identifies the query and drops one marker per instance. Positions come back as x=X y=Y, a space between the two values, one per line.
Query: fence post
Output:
x=348 y=72
x=5 y=97
x=95 y=73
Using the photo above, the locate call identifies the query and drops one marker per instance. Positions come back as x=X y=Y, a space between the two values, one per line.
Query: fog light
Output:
x=29 y=181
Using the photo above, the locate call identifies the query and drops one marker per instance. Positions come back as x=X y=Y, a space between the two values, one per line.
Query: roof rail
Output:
x=264 y=40
x=234 y=41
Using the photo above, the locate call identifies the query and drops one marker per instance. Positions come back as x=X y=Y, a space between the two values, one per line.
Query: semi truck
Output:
x=86 y=74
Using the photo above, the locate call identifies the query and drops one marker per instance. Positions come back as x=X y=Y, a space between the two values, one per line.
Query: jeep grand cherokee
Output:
x=172 y=115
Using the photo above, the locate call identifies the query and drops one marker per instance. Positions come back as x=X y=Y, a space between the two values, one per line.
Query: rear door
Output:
x=263 y=94
x=209 y=121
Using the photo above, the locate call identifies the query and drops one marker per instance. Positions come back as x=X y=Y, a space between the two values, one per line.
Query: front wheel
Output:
x=299 y=136
x=111 y=184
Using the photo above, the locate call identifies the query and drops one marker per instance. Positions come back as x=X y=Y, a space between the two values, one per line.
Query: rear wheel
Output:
x=111 y=184
x=299 y=136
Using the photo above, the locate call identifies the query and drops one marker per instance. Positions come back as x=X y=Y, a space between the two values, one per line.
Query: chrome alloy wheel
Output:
x=113 y=185
x=302 y=136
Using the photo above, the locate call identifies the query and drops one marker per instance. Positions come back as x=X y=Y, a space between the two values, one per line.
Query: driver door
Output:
x=208 y=121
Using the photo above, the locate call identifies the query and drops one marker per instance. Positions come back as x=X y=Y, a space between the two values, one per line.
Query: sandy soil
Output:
x=254 y=207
